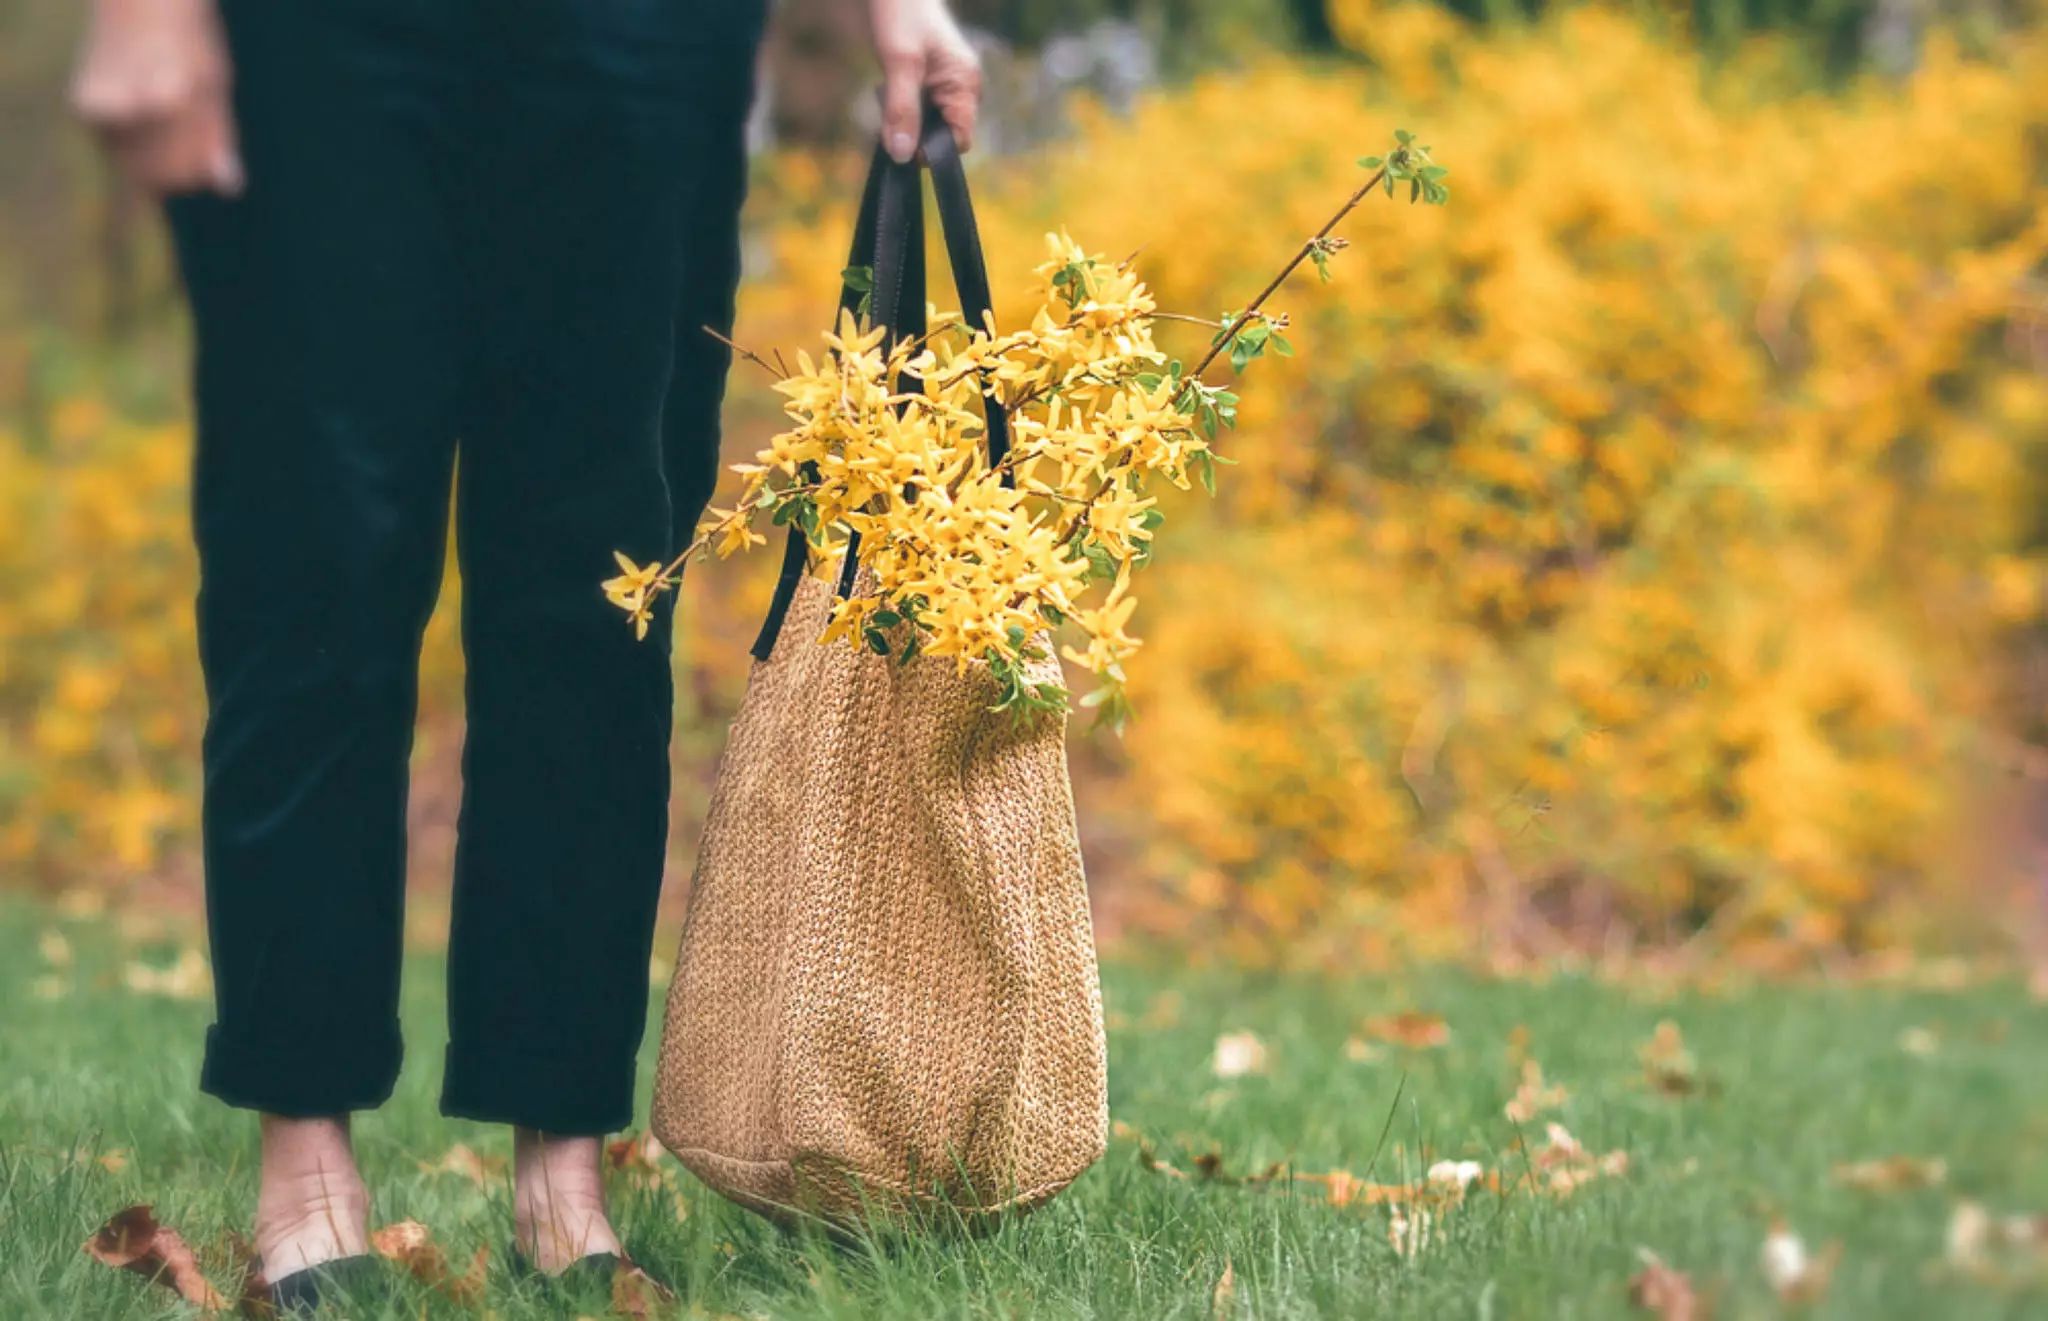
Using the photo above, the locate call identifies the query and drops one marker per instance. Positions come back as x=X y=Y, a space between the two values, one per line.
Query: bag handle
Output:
x=889 y=233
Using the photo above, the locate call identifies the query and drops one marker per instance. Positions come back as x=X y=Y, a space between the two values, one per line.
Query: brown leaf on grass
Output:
x=187 y=979
x=1794 y=1274
x=1360 y=1051
x=55 y=949
x=1411 y=1029
x=636 y=1294
x=1919 y=1041
x=1664 y=1293
x=1224 y=1298
x=1668 y=1066
x=462 y=1161
x=469 y=1286
x=1891 y=1174
x=1532 y=1095
x=1343 y=1188
x=1411 y=1229
x=411 y=1244
x=1151 y=1160
x=637 y=1159
x=2007 y=1250
x=1566 y=1165
x=632 y=1153
x=132 y=1240
x=1238 y=1054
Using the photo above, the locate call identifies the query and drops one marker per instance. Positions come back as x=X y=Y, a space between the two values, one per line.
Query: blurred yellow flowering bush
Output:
x=1654 y=548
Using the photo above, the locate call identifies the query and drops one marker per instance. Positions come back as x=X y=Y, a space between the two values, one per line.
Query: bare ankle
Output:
x=558 y=1208
x=311 y=1205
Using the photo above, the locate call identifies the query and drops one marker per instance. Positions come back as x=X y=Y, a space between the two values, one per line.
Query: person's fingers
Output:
x=959 y=102
x=219 y=146
x=144 y=154
x=955 y=86
x=902 y=92
x=167 y=157
x=189 y=151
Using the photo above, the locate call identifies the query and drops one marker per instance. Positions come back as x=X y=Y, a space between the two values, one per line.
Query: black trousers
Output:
x=478 y=243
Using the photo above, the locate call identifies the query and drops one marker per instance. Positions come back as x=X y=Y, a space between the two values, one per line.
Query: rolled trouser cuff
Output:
x=322 y=1077
x=575 y=1093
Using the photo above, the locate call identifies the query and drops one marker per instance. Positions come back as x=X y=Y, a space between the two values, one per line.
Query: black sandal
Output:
x=342 y=1279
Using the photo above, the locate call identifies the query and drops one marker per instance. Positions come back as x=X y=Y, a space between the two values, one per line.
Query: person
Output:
x=434 y=245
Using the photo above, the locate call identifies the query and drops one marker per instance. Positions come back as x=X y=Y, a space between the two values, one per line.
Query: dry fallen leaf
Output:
x=1360 y=1051
x=1342 y=1188
x=1224 y=1298
x=1664 y=1293
x=1891 y=1174
x=635 y=1153
x=54 y=948
x=1238 y=1054
x=1969 y=1235
x=637 y=1159
x=187 y=979
x=1794 y=1274
x=1411 y=1028
x=1409 y=1229
x=411 y=1244
x=1567 y=1165
x=637 y=1294
x=1919 y=1041
x=1457 y=1174
x=113 y=1162
x=1667 y=1065
x=1532 y=1095
x=462 y=1161
x=2000 y=1250
x=132 y=1240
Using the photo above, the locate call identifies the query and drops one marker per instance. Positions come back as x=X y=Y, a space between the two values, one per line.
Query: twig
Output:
x=747 y=353
x=1299 y=257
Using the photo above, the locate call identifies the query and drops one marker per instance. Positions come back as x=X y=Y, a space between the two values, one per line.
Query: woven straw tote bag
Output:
x=885 y=1005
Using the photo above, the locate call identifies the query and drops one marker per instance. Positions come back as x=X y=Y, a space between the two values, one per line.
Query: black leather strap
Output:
x=888 y=236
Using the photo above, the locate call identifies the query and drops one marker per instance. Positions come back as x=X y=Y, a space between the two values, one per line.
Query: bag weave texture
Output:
x=886 y=1001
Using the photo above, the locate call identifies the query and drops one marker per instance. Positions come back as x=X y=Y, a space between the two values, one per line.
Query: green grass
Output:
x=1796 y=1079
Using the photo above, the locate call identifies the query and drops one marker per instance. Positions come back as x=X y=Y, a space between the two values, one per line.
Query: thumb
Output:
x=902 y=105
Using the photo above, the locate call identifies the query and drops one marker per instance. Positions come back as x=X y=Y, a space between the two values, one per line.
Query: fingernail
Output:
x=902 y=147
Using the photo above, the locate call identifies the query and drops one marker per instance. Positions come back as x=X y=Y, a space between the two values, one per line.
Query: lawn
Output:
x=1740 y=1122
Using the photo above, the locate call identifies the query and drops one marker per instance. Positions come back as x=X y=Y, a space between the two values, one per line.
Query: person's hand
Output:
x=923 y=51
x=152 y=81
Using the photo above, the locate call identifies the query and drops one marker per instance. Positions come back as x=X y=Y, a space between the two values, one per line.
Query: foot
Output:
x=311 y=1205
x=558 y=1215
